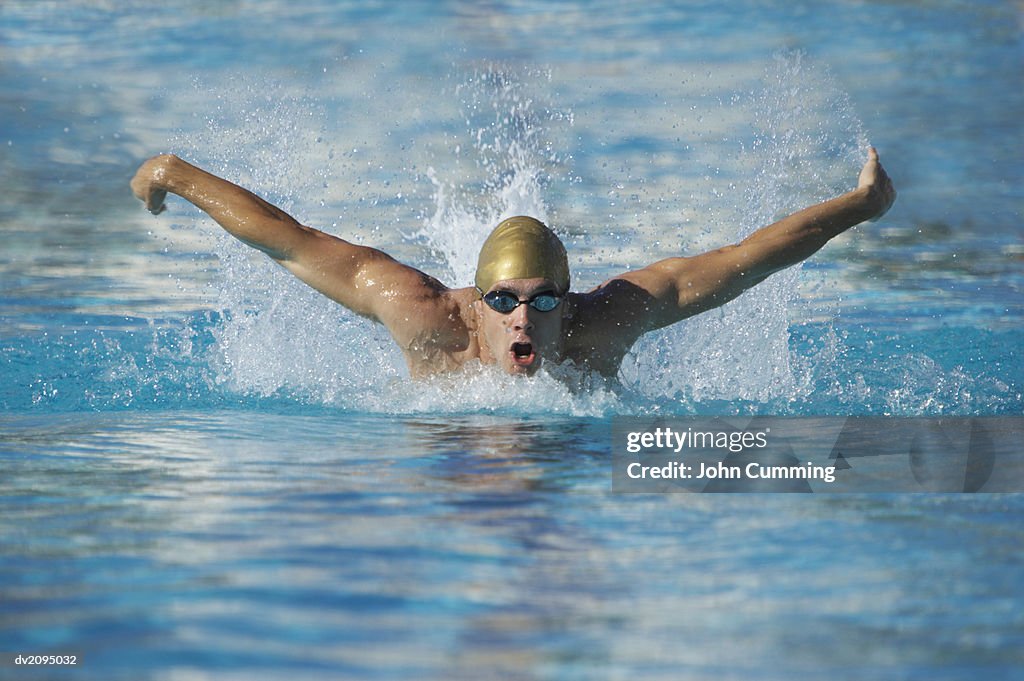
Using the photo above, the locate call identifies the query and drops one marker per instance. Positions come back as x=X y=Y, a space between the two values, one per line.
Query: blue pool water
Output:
x=208 y=471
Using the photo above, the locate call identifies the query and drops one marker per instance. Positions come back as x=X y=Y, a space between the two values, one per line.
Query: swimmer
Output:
x=520 y=313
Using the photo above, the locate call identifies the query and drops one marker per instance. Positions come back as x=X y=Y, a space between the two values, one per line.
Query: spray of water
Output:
x=265 y=335
x=275 y=337
x=512 y=161
x=278 y=338
x=798 y=155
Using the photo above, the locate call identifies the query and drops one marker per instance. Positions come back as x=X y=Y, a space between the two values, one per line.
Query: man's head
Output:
x=522 y=276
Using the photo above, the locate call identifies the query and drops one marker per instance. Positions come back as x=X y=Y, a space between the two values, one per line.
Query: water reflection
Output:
x=324 y=540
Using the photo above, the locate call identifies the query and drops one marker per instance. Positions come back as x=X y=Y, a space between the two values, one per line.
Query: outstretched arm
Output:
x=367 y=281
x=677 y=288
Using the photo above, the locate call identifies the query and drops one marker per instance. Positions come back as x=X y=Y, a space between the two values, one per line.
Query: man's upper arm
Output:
x=359 y=277
x=372 y=284
x=677 y=288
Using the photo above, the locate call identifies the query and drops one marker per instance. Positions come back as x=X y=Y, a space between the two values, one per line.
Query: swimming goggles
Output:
x=506 y=301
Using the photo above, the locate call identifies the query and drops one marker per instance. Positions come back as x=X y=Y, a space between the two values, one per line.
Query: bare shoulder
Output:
x=604 y=322
x=428 y=315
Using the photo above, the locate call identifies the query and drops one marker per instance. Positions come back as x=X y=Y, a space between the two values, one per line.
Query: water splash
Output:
x=274 y=338
x=804 y=147
x=278 y=338
x=511 y=161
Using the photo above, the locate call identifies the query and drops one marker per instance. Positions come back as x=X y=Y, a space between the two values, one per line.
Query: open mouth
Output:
x=522 y=353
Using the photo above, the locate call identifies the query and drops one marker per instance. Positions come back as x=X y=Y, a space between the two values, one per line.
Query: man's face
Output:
x=518 y=341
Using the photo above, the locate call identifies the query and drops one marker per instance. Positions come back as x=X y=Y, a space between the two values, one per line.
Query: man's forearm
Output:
x=798 y=236
x=241 y=213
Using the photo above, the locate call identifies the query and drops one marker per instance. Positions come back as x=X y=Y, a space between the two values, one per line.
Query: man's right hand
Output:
x=147 y=185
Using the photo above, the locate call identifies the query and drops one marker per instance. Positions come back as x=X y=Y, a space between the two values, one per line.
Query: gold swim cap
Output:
x=522 y=248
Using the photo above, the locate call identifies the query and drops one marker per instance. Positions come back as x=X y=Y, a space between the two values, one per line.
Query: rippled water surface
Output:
x=208 y=471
